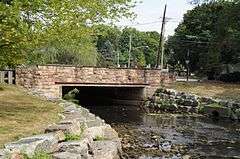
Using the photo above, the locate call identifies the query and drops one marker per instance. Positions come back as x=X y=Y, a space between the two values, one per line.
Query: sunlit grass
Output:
x=210 y=89
x=22 y=114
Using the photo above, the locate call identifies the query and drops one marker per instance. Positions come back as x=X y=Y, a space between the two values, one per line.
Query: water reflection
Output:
x=143 y=134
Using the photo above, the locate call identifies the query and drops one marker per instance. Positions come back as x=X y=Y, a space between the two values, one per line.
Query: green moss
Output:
x=38 y=155
x=99 y=138
x=215 y=105
x=71 y=137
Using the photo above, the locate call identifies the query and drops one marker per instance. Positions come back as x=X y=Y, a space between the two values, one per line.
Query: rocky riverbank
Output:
x=169 y=100
x=79 y=134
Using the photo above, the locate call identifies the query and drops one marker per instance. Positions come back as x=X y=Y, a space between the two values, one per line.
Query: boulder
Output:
x=207 y=100
x=68 y=155
x=105 y=149
x=3 y=154
x=217 y=111
x=38 y=143
x=67 y=126
x=75 y=147
x=172 y=107
x=92 y=132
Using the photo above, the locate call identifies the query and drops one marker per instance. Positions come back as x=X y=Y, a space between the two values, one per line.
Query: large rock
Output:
x=75 y=147
x=217 y=111
x=3 y=154
x=38 y=143
x=67 y=126
x=93 y=132
x=105 y=149
x=68 y=155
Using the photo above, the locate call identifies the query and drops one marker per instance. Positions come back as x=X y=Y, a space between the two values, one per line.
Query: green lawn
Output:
x=22 y=114
x=211 y=89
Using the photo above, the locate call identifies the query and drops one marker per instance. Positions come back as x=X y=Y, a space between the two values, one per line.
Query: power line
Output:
x=153 y=22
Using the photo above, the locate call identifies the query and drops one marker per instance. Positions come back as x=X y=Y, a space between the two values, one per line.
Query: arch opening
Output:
x=104 y=96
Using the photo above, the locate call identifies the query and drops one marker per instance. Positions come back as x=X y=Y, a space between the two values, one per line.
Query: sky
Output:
x=149 y=14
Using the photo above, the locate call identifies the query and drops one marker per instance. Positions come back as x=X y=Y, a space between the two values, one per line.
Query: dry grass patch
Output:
x=211 y=89
x=22 y=114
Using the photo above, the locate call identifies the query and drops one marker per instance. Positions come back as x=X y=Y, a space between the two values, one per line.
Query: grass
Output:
x=38 y=155
x=72 y=137
x=99 y=138
x=210 y=89
x=23 y=115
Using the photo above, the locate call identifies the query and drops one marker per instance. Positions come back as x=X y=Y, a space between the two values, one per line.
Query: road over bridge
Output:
x=54 y=80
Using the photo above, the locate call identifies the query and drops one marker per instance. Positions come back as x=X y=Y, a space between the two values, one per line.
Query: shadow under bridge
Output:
x=107 y=94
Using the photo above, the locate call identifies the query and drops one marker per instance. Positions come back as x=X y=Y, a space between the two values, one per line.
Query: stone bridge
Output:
x=54 y=80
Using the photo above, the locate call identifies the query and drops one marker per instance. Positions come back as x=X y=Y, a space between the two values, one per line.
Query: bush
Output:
x=231 y=77
x=70 y=96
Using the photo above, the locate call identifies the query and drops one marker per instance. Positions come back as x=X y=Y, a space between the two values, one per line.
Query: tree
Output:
x=210 y=32
x=144 y=46
x=112 y=42
x=27 y=26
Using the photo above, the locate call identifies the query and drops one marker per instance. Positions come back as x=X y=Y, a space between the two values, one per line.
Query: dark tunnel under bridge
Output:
x=107 y=94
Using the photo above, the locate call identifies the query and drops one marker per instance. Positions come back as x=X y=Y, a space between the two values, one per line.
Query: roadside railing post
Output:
x=7 y=76
x=1 y=76
x=10 y=77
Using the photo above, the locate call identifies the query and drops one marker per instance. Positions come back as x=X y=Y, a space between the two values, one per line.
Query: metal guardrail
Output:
x=7 y=76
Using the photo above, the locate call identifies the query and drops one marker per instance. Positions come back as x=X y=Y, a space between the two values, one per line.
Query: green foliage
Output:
x=71 y=95
x=54 y=31
x=112 y=42
x=211 y=33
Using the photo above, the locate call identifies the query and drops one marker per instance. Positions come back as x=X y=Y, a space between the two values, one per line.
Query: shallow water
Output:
x=148 y=136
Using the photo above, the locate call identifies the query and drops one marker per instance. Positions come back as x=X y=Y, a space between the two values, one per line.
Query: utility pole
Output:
x=161 y=40
x=118 y=57
x=187 y=62
x=129 y=51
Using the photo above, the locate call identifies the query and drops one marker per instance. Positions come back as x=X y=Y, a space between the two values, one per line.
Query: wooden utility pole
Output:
x=161 y=40
x=129 y=51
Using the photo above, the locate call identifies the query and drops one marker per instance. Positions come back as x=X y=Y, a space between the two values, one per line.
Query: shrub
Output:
x=70 y=96
x=230 y=77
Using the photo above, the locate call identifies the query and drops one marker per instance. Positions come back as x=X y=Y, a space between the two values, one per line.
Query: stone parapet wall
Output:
x=47 y=80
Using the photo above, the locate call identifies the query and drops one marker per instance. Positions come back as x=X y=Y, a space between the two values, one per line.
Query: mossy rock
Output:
x=215 y=105
x=217 y=111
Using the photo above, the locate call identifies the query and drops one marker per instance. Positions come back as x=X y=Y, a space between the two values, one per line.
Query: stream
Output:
x=171 y=136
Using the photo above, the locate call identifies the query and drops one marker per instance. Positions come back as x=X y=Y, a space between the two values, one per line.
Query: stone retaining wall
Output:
x=96 y=139
x=180 y=102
